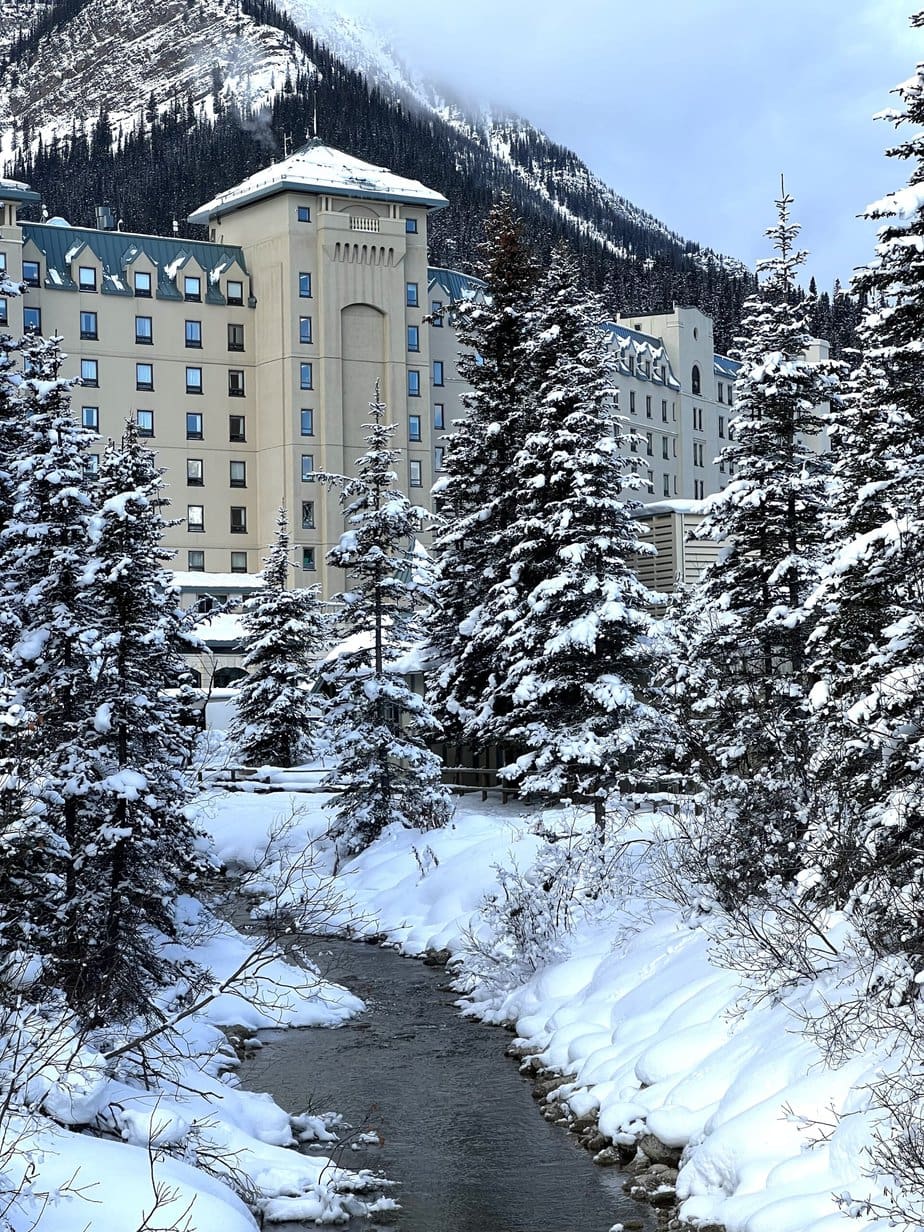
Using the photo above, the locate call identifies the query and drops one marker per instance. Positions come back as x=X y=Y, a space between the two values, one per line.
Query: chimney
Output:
x=105 y=219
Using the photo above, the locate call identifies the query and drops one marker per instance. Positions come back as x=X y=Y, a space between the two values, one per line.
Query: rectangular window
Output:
x=195 y=472
x=415 y=470
x=305 y=376
x=238 y=520
x=237 y=429
x=413 y=299
x=86 y=278
x=632 y=401
x=667 y=485
x=193 y=426
x=633 y=443
x=307 y=515
x=143 y=285
x=665 y=447
x=237 y=476
x=436 y=310
x=722 y=426
x=648 y=406
x=304 y=330
x=664 y=410
x=306 y=421
x=413 y=383
x=4 y=315
x=307 y=467
x=649 y=443
x=193 y=334
x=699 y=489
x=730 y=399
x=91 y=466
x=192 y=287
x=2 y=262
x=144 y=330
x=31 y=273
x=235 y=337
x=194 y=380
x=721 y=393
x=234 y=292
x=88 y=325
x=439 y=415
x=89 y=417
x=410 y=226
x=308 y=558
x=144 y=376
x=413 y=428
x=438 y=454
x=235 y=383
x=303 y=213
x=238 y=562
x=32 y=320
x=438 y=372
x=413 y=337
x=304 y=286
x=145 y=422
x=89 y=371
x=195 y=518
x=195 y=561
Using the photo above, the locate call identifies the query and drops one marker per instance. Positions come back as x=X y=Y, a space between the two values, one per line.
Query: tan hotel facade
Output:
x=249 y=359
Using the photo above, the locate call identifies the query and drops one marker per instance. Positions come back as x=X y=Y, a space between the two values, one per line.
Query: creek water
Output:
x=459 y=1130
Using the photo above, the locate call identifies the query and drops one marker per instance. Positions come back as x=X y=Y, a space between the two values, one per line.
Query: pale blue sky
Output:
x=692 y=108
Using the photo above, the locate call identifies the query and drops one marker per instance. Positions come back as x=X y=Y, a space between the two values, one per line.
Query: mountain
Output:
x=155 y=107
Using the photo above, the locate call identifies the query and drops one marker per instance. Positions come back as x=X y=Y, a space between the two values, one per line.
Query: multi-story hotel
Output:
x=249 y=359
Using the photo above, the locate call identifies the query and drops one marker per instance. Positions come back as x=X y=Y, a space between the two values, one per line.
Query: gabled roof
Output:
x=319 y=168
x=643 y=349
x=116 y=251
x=457 y=286
x=725 y=367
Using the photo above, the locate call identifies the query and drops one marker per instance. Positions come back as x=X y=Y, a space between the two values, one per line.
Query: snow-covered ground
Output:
x=628 y=995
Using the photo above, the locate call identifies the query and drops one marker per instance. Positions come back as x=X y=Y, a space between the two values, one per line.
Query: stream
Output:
x=459 y=1129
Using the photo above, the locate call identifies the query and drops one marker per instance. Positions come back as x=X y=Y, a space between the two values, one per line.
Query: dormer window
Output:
x=192 y=287
x=234 y=292
x=31 y=274
x=86 y=278
x=143 y=284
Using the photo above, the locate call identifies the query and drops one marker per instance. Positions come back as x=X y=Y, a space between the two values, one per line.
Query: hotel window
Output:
x=144 y=330
x=194 y=380
x=303 y=213
x=633 y=443
x=436 y=311
x=632 y=401
x=237 y=429
x=697 y=453
x=438 y=454
x=304 y=330
x=145 y=422
x=143 y=284
x=305 y=376
x=91 y=466
x=237 y=474
x=665 y=447
x=193 y=334
x=89 y=371
x=695 y=380
x=89 y=417
x=698 y=418
x=192 y=287
x=308 y=558
x=667 y=485
x=306 y=421
x=722 y=426
x=238 y=562
x=4 y=315
x=410 y=226
x=307 y=467
x=89 y=325
x=144 y=376
x=649 y=444
x=235 y=383
x=413 y=337
x=413 y=383
x=193 y=426
x=721 y=393
x=238 y=520
x=699 y=489
x=730 y=391
x=664 y=410
x=411 y=295
x=304 y=286
x=32 y=321
x=439 y=415
x=235 y=337
x=438 y=372
x=31 y=273
x=648 y=406
x=195 y=561
x=307 y=515
x=235 y=292
x=2 y=262
x=413 y=428
x=195 y=472
x=86 y=278
x=195 y=518
x=416 y=473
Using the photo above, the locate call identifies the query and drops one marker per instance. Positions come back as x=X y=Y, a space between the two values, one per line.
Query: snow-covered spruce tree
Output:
x=870 y=643
x=566 y=621
x=473 y=492
x=741 y=679
x=377 y=726
x=137 y=850
x=285 y=634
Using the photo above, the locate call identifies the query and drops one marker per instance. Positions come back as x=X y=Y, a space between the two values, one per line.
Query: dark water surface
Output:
x=460 y=1130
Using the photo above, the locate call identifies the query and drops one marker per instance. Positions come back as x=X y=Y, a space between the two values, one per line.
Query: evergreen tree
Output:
x=565 y=623
x=378 y=725
x=742 y=677
x=285 y=633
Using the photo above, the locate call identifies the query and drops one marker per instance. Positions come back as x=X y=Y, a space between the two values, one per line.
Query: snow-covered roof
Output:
x=208 y=582
x=16 y=190
x=725 y=367
x=320 y=168
x=224 y=628
x=458 y=286
x=650 y=359
x=679 y=505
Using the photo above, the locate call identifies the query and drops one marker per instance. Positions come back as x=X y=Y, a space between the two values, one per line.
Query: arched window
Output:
x=695 y=382
x=226 y=676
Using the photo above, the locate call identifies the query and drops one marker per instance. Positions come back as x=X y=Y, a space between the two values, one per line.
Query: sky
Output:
x=693 y=108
